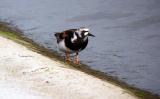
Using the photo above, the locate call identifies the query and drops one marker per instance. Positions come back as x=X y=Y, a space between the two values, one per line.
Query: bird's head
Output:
x=84 y=32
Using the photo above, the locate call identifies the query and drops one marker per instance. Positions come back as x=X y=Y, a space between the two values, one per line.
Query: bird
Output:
x=73 y=41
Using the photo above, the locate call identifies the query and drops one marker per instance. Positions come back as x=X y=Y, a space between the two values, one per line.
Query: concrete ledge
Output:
x=36 y=76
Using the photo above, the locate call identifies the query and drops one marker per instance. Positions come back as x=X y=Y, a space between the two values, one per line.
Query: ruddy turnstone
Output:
x=73 y=41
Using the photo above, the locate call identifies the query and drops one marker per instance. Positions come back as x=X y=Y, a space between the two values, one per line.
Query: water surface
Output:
x=127 y=42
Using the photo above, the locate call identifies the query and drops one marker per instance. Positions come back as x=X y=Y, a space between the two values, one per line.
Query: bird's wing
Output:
x=59 y=36
x=68 y=33
x=65 y=34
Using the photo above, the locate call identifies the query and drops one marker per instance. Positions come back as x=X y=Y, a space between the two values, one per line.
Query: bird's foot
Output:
x=76 y=61
x=67 y=59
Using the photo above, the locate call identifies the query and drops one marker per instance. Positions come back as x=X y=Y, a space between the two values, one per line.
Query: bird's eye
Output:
x=83 y=32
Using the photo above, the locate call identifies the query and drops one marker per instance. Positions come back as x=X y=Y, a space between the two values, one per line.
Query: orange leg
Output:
x=76 y=60
x=67 y=57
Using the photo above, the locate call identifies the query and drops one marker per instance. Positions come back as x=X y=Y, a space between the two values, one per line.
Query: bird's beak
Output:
x=89 y=34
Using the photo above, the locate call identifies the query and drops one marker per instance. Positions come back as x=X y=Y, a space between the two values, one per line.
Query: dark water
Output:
x=127 y=42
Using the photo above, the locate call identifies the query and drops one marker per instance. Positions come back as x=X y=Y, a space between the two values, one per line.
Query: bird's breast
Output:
x=77 y=45
x=62 y=47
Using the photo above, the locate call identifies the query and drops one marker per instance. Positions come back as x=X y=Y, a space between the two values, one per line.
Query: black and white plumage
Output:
x=73 y=41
